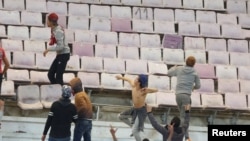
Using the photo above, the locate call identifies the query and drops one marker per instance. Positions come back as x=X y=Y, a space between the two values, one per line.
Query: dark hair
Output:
x=145 y=139
x=176 y=120
x=143 y=79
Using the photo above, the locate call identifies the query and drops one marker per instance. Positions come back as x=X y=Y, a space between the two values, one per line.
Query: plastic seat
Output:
x=162 y=83
x=200 y=55
x=193 y=4
x=121 y=12
x=89 y=79
x=16 y=5
x=236 y=59
x=243 y=73
x=188 y=28
x=83 y=49
x=127 y=52
x=18 y=32
x=237 y=46
x=78 y=22
x=136 y=67
x=173 y=56
x=167 y=16
x=28 y=97
x=3 y=31
x=31 y=18
x=78 y=9
x=105 y=11
x=85 y=36
x=196 y=101
x=206 y=71
x=10 y=17
x=191 y=43
x=236 y=7
x=207 y=87
x=210 y=30
x=232 y=31
x=172 y=3
x=113 y=65
x=98 y=24
x=244 y=86
x=39 y=33
x=164 y=27
x=226 y=72
x=12 y=45
x=205 y=16
x=142 y=13
x=67 y=77
x=43 y=62
x=172 y=41
x=152 y=3
x=129 y=39
x=34 y=46
x=236 y=102
x=107 y=38
x=218 y=57
x=212 y=102
x=145 y=26
x=57 y=7
x=211 y=5
x=73 y=63
x=150 y=40
x=121 y=25
x=109 y=81
x=36 y=5
x=216 y=44
x=91 y=64
x=226 y=19
x=24 y=59
x=131 y=2
x=40 y=77
x=166 y=99
x=228 y=86
x=150 y=54
x=183 y=15
x=69 y=35
x=105 y=51
x=157 y=68
x=110 y=1
x=244 y=20
x=8 y=89
x=18 y=75
x=50 y=93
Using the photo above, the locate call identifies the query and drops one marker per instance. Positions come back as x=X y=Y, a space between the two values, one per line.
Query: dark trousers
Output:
x=57 y=68
x=83 y=129
x=1 y=79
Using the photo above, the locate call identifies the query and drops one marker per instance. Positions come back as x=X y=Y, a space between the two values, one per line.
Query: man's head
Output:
x=145 y=139
x=176 y=121
x=52 y=19
x=76 y=85
x=142 y=79
x=190 y=61
x=66 y=91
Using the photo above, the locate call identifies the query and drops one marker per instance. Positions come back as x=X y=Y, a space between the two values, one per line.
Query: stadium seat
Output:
x=167 y=16
x=129 y=39
x=205 y=71
x=31 y=18
x=3 y=31
x=236 y=59
x=44 y=62
x=212 y=102
x=218 y=57
x=166 y=99
x=193 y=4
x=96 y=12
x=150 y=40
x=184 y=15
x=228 y=86
x=226 y=72
x=236 y=7
x=173 y=56
x=237 y=46
x=164 y=27
x=131 y=2
x=12 y=45
x=226 y=18
x=105 y=51
x=69 y=35
x=236 y=102
x=24 y=59
x=210 y=30
x=110 y=1
x=39 y=77
x=196 y=101
x=172 y=41
x=121 y=12
x=244 y=20
x=136 y=67
x=142 y=13
x=78 y=9
x=67 y=77
x=162 y=83
x=107 y=38
x=16 y=5
x=78 y=22
x=98 y=24
x=10 y=17
x=144 y=26
x=207 y=87
x=39 y=33
x=73 y=63
x=188 y=28
x=121 y=25
x=86 y=36
x=28 y=97
x=89 y=79
x=155 y=3
x=57 y=7
x=18 y=75
x=191 y=43
x=157 y=68
x=243 y=73
x=113 y=65
x=213 y=44
x=150 y=54
x=49 y=94
x=18 y=32
x=8 y=89
x=91 y=64
x=34 y=46
x=244 y=86
x=205 y=16
x=127 y=52
x=36 y=5
x=232 y=31
x=83 y=49
x=216 y=6
x=109 y=81
x=172 y=3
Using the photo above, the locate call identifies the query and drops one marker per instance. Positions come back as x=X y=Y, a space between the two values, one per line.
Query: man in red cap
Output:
x=57 y=43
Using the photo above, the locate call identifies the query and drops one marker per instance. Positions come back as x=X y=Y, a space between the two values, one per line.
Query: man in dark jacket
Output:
x=174 y=131
x=60 y=117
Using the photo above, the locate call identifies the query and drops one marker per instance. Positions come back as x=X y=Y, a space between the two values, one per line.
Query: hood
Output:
x=76 y=85
x=65 y=102
x=178 y=130
x=188 y=70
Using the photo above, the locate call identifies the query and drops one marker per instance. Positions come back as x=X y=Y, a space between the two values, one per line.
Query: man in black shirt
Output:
x=60 y=117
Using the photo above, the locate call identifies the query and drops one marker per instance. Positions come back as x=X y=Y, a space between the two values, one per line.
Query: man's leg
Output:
x=1 y=110
x=87 y=133
x=135 y=130
x=61 y=66
x=52 y=71
x=125 y=115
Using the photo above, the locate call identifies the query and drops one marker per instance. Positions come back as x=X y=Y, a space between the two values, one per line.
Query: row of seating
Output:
x=138 y=26
x=232 y=6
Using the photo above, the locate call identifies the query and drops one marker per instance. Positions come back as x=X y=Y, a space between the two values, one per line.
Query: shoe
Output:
x=188 y=139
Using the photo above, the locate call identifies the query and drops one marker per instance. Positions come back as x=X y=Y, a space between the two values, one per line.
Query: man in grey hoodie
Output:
x=187 y=80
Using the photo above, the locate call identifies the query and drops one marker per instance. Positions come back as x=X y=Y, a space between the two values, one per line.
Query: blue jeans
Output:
x=83 y=129
x=59 y=139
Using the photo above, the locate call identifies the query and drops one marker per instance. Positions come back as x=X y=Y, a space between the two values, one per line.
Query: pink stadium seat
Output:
x=136 y=67
x=206 y=71
x=105 y=51
x=83 y=49
x=36 y=5
x=91 y=64
x=89 y=79
x=86 y=36
x=29 y=97
x=127 y=52
x=10 y=17
x=207 y=87
x=78 y=22
x=113 y=65
x=129 y=39
x=121 y=25
x=172 y=41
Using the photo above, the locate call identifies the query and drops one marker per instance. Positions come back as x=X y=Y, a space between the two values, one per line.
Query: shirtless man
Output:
x=138 y=113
